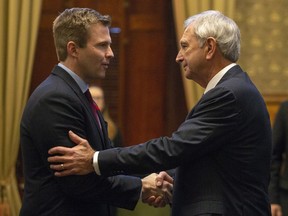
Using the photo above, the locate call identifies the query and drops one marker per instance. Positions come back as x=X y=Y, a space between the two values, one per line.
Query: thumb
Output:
x=159 y=180
x=75 y=138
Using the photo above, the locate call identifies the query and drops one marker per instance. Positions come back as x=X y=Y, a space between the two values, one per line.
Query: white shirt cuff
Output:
x=95 y=163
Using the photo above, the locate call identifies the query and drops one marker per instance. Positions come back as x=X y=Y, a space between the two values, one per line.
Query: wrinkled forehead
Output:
x=189 y=29
x=188 y=33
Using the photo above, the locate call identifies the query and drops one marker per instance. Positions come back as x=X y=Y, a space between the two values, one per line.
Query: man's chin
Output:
x=100 y=76
x=188 y=75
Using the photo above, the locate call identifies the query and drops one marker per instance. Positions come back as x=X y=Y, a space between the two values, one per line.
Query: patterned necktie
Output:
x=94 y=107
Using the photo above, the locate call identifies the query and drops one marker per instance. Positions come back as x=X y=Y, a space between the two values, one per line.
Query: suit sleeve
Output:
x=279 y=142
x=52 y=118
x=206 y=129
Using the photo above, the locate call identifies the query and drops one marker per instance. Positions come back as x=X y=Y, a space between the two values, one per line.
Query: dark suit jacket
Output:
x=279 y=177
x=54 y=108
x=222 y=151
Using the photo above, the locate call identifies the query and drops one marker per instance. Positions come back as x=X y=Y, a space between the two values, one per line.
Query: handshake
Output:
x=157 y=189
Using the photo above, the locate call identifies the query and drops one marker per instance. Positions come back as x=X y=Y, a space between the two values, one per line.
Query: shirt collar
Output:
x=83 y=85
x=213 y=82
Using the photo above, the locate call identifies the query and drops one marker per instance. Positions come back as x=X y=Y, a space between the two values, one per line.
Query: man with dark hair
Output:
x=61 y=103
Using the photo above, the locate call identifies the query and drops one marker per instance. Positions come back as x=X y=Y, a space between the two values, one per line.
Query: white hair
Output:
x=225 y=31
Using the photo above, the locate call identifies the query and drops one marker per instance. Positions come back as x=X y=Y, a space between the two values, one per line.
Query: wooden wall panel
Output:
x=148 y=58
x=145 y=87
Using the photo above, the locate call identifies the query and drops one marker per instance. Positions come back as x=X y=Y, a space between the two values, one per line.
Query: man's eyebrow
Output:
x=183 y=43
x=104 y=43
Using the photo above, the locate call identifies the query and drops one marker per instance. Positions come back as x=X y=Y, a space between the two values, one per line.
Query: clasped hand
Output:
x=156 y=188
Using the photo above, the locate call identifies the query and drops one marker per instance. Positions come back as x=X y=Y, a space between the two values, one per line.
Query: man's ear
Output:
x=211 y=47
x=72 y=48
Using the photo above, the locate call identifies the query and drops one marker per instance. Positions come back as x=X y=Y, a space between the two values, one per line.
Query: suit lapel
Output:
x=104 y=129
x=58 y=71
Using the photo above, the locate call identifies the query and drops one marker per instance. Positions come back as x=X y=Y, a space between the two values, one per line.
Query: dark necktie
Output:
x=94 y=107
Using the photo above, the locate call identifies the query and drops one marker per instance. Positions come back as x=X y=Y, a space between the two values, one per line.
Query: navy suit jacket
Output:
x=222 y=153
x=54 y=108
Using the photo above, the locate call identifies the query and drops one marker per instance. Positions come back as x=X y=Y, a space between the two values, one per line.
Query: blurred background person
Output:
x=114 y=132
x=278 y=188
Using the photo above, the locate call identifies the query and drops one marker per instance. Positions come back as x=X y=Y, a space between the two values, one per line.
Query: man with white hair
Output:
x=221 y=151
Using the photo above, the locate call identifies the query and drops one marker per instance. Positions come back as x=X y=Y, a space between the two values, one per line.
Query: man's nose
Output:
x=179 y=57
x=110 y=53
